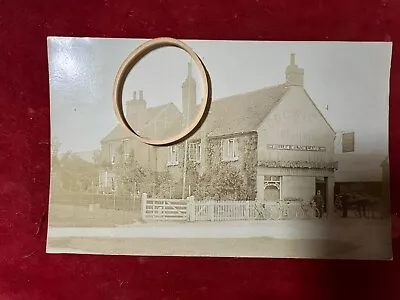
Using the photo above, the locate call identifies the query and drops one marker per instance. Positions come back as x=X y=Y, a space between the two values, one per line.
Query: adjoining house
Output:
x=359 y=172
x=274 y=136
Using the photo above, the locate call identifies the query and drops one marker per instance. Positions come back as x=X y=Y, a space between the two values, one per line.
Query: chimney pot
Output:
x=292 y=59
x=294 y=74
x=190 y=69
x=140 y=95
x=134 y=95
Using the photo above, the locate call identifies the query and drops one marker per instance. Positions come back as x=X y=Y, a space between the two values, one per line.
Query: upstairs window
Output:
x=195 y=152
x=230 y=149
x=111 y=153
x=125 y=149
x=172 y=155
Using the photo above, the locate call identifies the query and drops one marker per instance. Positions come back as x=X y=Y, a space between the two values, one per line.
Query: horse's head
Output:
x=339 y=196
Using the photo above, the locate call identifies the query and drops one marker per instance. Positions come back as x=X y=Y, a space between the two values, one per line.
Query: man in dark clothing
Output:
x=319 y=202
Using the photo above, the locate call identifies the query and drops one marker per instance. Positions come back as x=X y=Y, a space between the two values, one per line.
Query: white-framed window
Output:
x=125 y=149
x=195 y=152
x=172 y=155
x=111 y=153
x=230 y=149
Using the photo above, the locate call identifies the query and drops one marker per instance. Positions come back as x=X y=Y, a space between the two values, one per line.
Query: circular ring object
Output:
x=132 y=60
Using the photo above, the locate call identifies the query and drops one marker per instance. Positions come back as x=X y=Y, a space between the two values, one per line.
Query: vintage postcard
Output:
x=290 y=162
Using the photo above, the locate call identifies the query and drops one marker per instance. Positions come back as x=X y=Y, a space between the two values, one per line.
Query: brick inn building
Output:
x=275 y=137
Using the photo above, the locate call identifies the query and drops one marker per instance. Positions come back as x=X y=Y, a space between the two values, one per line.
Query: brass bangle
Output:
x=132 y=60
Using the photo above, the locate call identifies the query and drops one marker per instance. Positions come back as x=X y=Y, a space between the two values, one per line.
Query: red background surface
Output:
x=26 y=272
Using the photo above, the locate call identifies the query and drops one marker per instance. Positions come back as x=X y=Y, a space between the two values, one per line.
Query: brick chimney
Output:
x=294 y=74
x=136 y=110
x=188 y=97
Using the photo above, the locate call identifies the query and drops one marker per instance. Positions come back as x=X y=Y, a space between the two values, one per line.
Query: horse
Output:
x=360 y=203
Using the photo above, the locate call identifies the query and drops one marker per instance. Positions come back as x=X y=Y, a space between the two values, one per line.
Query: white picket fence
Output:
x=220 y=210
x=211 y=210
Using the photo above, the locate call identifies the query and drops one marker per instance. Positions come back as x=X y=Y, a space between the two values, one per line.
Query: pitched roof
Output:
x=120 y=132
x=321 y=114
x=162 y=123
x=229 y=115
x=117 y=133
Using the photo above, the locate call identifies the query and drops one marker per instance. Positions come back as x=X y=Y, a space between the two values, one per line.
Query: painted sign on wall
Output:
x=295 y=147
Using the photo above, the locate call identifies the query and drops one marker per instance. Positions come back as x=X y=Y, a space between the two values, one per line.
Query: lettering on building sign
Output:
x=295 y=147
x=294 y=116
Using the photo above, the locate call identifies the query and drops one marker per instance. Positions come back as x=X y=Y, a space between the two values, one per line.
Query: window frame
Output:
x=196 y=147
x=111 y=153
x=125 y=147
x=173 y=153
x=230 y=149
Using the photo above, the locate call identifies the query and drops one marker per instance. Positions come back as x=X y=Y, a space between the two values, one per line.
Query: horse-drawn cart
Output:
x=359 y=205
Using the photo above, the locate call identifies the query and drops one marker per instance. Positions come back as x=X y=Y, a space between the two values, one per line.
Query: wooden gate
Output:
x=164 y=209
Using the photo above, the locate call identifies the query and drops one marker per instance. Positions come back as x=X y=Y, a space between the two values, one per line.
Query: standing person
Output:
x=319 y=202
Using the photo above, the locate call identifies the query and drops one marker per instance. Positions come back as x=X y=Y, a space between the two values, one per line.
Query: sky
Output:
x=350 y=79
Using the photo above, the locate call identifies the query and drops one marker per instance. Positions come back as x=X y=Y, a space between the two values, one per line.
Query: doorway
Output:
x=321 y=184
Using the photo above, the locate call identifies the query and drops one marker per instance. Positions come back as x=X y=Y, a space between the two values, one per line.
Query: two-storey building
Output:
x=275 y=136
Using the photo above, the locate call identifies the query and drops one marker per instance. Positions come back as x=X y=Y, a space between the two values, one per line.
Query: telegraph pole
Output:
x=186 y=123
x=184 y=170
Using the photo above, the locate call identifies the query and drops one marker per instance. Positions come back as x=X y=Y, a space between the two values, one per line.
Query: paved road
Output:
x=370 y=239
x=343 y=230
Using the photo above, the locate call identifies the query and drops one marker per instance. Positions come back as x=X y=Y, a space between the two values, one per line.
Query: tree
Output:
x=55 y=151
x=76 y=174
x=192 y=178
x=161 y=185
x=56 y=181
x=130 y=175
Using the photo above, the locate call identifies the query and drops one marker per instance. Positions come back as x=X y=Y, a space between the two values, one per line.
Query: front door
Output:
x=320 y=185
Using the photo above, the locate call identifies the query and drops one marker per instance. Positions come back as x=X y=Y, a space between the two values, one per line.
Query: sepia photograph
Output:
x=291 y=160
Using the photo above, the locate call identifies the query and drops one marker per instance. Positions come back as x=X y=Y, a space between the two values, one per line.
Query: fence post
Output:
x=211 y=210
x=190 y=209
x=143 y=206
x=248 y=210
